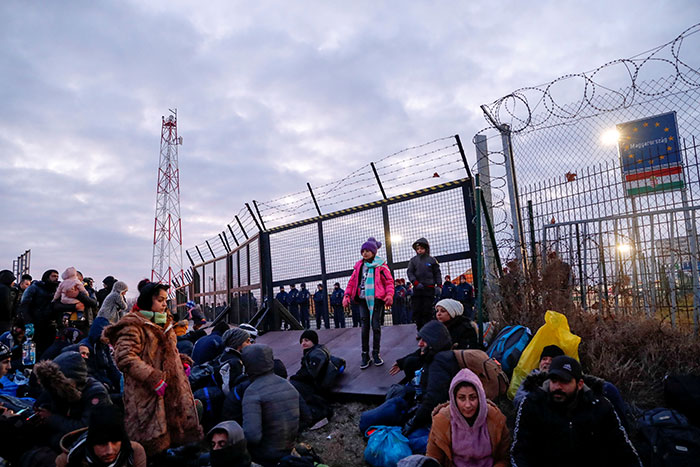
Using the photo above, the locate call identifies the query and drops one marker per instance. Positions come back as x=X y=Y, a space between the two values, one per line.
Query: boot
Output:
x=377 y=359
x=365 y=360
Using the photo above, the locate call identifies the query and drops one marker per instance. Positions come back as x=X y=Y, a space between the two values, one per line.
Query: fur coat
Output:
x=147 y=353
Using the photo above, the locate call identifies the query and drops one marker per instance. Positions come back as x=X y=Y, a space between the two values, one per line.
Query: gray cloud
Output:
x=269 y=96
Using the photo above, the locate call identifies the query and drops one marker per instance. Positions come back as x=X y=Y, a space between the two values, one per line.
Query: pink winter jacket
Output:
x=383 y=282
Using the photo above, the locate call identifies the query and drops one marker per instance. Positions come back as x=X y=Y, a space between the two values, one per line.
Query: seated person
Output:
x=270 y=408
x=308 y=380
x=69 y=396
x=469 y=430
x=579 y=425
x=103 y=442
x=548 y=353
x=228 y=446
x=462 y=331
x=209 y=347
x=434 y=365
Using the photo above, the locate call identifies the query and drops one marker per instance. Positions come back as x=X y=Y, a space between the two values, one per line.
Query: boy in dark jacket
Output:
x=424 y=274
x=307 y=381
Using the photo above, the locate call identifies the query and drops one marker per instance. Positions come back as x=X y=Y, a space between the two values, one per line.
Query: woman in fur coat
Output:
x=159 y=406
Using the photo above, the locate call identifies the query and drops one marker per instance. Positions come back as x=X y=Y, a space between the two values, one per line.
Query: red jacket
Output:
x=383 y=283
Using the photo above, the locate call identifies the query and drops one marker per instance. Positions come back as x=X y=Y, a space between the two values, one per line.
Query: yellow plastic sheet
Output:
x=555 y=331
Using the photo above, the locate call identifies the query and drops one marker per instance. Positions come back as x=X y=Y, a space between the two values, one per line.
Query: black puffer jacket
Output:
x=462 y=333
x=424 y=269
x=7 y=299
x=313 y=362
x=35 y=306
x=439 y=367
x=586 y=433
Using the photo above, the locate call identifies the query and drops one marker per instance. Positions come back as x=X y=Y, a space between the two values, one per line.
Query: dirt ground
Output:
x=340 y=443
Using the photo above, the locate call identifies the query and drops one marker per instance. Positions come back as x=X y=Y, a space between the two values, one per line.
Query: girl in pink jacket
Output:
x=372 y=287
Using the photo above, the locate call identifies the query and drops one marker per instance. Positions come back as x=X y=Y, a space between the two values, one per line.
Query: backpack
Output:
x=682 y=393
x=669 y=440
x=202 y=375
x=509 y=345
x=489 y=371
x=335 y=366
x=212 y=399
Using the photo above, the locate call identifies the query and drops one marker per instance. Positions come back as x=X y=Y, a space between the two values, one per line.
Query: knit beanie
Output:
x=73 y=366
x=371 y=245
x=235 y=337
x=453 y=307
x=106 y=424
x=551 y=351
x=436 y=335
x=309 y=334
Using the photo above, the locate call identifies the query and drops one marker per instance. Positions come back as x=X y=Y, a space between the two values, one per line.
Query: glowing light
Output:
x=624 y=248
x=396 y=238
x=610 y=137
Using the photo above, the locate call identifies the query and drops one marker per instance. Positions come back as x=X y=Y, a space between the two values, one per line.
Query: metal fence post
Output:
x=513 y=196
x=322 y=248
x=479 y=267
x=482 y=158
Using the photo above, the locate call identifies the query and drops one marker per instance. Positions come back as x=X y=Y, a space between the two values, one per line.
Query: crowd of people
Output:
x=84 y=380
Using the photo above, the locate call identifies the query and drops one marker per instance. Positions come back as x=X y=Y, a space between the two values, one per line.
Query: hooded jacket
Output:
x=439 y=366
x=463 y=334
x=70 y=280
x=74 y=453
x=236 y=453
x=147 y=353
x=270 y=407
x=71 y=394
x=584 y=433
x=101 y=364
x=454 y=443
x=114 y=304
x=424 y=269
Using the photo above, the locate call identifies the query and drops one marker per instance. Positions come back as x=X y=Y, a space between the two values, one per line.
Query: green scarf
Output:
x=155 y=317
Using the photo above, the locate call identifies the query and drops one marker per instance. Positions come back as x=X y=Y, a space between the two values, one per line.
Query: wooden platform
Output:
x=397 y=341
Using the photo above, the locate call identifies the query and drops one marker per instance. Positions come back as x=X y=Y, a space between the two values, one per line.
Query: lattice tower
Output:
x=167 y=233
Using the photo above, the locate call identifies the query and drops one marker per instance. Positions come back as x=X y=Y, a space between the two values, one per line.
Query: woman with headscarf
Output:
x=469 y=431
x=159 y=406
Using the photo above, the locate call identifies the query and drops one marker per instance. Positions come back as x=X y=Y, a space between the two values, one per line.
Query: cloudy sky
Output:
x=270 y=95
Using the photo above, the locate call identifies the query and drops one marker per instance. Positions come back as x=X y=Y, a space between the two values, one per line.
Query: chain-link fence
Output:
x=558 y=147
x=423 y=191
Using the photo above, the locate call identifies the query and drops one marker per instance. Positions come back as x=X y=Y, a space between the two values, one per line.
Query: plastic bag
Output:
x=555 y=331
x=386 y=446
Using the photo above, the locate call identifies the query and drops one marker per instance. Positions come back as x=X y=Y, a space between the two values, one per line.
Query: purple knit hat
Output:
x=371 y=245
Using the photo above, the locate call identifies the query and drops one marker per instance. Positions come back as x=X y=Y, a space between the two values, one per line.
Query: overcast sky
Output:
x=270 y=95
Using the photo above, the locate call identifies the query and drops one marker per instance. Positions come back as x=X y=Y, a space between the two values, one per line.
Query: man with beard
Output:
x=565 y=423
x=36 y=308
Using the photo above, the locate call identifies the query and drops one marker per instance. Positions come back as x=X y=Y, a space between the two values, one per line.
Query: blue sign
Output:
x=650 y=155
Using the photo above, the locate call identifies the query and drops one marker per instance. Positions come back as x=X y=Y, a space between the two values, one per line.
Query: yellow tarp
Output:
x=555 y=331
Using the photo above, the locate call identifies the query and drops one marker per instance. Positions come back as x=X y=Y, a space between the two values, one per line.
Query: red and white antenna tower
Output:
x=167 y=233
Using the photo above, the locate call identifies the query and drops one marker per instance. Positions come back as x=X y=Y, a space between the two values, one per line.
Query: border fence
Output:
x=623 y=215
x=292 y=241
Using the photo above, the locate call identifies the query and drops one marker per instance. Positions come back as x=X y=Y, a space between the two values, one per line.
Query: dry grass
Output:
x=340 y=443
x=631 y=351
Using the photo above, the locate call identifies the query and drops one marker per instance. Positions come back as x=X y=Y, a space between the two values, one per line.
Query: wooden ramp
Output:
x=397 y=341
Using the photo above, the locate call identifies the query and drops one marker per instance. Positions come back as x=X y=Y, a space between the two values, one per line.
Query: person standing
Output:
x=114 y=305
x=7 y=299
x=464 y=294
x=293 y=300
x=398 y=308
x=321 y=307
x=372 y=286
x=424 y=274
x=158 y=402
x=448 y=289
x=36 y=308
x=337 y=305
x=304 y=300
x=108 y=283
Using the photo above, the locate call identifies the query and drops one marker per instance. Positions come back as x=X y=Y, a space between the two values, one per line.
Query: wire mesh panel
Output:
x=254 y=250
x=440 y=218
x=343 y=237
x=295 y=253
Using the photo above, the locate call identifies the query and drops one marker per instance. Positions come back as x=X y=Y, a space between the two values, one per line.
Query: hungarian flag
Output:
x=662 y=179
